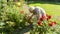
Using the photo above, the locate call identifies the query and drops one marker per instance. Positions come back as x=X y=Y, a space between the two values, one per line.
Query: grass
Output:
x=52 y=9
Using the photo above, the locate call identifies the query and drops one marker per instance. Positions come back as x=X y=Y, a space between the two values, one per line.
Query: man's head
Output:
x=31 y=9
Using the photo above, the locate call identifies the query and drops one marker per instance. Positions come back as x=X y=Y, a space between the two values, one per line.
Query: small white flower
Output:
x=2 y=23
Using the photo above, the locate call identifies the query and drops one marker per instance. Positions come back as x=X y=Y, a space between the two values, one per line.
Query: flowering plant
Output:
x=45 y=26
x=12 y=18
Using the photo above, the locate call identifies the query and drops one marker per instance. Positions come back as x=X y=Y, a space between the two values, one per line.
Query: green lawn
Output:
x=52 y=9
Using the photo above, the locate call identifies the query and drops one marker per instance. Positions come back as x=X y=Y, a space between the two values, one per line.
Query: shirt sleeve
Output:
x=38 y=12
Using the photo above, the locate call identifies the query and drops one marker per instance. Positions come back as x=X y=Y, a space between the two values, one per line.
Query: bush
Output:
x=11 y=17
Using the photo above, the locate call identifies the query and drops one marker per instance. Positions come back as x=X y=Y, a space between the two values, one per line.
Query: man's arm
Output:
x=29 y=17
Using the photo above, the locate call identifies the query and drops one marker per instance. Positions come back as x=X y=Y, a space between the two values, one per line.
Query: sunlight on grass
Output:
x=49 y=8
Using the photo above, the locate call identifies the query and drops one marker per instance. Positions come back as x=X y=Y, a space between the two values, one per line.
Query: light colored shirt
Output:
x=40 y=12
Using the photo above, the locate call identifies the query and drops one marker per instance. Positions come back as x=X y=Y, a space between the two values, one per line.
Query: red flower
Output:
x=21 y=12
x=52 y=23
x=40 y=23
x=41 y=19
x=48 y=16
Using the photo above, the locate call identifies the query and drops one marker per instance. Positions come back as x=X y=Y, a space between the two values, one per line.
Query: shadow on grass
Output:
x=43 y=2
x=23 y=30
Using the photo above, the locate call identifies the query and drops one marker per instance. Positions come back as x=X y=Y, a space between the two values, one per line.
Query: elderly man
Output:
x=35 y=10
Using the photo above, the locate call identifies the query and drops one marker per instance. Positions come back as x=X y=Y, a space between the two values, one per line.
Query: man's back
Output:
x=39 y=11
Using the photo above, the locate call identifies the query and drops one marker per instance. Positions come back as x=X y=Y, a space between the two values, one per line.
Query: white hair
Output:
x=31 y=8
